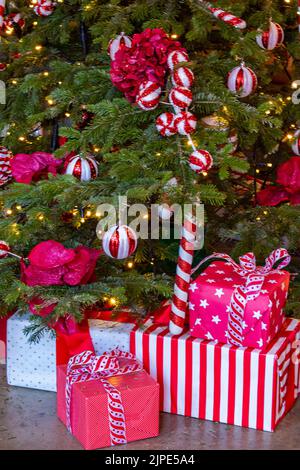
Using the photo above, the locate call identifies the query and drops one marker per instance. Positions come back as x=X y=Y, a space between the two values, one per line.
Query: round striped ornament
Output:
x=83 y=168
x=148 y=96
x=12 y=20
x=219 y=124
x=4 y=249
x=175 y=58
x=119 y=242
x=271 y=38
x=5 y=167
x=242 y=81
x=296 y=142
x=116 y=44
x=3 y=66
x=185 y=123
x=200 y=160
x=165 y=124
x=44 y=7
x=180 y=97
x=183 y=76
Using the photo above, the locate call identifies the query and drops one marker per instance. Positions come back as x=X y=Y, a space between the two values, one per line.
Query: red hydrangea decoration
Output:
x=288 y=189
x=27 y=168
x=145 y=60
x=53 y=264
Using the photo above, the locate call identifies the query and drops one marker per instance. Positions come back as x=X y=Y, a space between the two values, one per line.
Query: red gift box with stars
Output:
x=210 y=305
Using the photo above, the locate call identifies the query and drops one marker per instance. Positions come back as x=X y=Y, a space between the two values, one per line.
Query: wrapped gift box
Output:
x=89 y=407
x=219 y=382
x=209 y=305
x=33 y=365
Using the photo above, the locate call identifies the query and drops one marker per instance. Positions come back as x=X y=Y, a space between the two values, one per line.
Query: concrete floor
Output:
x=28 y=421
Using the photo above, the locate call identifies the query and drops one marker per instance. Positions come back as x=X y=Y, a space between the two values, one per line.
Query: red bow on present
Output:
x=85 y=367
x=254 y=278
x=288 y=179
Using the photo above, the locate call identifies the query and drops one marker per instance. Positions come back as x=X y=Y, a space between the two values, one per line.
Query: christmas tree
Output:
x=60 y=100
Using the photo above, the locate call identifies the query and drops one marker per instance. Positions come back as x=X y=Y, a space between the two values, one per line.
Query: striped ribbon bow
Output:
x=85 y=367
x=250 y=290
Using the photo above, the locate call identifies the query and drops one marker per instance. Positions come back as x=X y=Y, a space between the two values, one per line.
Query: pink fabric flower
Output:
x=52 y=264
x=146 y=59
x=32 y=167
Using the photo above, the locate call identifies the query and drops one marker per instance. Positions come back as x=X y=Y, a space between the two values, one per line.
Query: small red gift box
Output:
x=240 y=304
x=107 y=400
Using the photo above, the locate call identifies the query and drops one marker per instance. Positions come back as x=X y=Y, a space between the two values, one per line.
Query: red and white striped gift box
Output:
x=219 y=382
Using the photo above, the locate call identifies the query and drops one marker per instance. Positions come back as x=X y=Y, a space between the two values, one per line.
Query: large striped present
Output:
x=218 y=382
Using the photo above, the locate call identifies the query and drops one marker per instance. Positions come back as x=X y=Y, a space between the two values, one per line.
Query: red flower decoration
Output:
x=288 y=179
x=32 y=167
x=145 y=60
x=52 y=264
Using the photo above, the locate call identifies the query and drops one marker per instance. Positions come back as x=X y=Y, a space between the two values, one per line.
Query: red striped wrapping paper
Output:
x=219 y=382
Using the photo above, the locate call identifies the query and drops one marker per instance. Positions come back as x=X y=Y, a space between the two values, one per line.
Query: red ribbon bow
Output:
x=250 y=290
x=85 y=367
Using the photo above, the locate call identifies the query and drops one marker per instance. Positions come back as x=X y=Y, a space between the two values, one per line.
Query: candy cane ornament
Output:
x=223 y=15
x=183 y=276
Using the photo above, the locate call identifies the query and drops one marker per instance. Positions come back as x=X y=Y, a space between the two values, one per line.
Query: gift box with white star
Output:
x=215 y=296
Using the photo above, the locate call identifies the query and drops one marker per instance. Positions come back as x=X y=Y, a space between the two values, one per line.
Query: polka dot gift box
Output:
x=33 y=365
x=239 y=304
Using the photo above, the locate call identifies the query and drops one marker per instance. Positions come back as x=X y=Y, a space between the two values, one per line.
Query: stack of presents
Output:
x=236 y=361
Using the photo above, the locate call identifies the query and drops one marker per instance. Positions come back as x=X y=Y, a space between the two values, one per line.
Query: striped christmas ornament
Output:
x=5 y=168
x=242 y=81
x=219 y=124
x=165 y=124
x=180 y=97
x=200 y=160
x=148 y=96
x=83 y=168
x=228 y=18
x=44 y=7
x=185 y=123
x=12 y=20
x=2 y=66
x=119 y=242
x=183 y=76
x=116 y=44
x=296 y=142
x=4 y=249
x=2 y=13
x=271 y=38
x=175 y=58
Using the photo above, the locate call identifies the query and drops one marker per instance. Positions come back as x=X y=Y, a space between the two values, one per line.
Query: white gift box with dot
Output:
x=33 y=365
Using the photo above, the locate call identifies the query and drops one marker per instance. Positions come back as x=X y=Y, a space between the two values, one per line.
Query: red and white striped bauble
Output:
x=4 y=249
x=3 y=66
x=164 y=212
x=228 y=18
x=242 y=81
x=83 y=168
x=148 y=96
x=44 y=7
x=119 y=242
x=183 y=76
x=271 y=38
x=13 y=19
x=175 y=58
x=180 y=97
x=116 y=44
x=296 y=142
x=5 y=168
x=165 y=124
x=218 y=123
x=200 y=160
x=185 y=123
